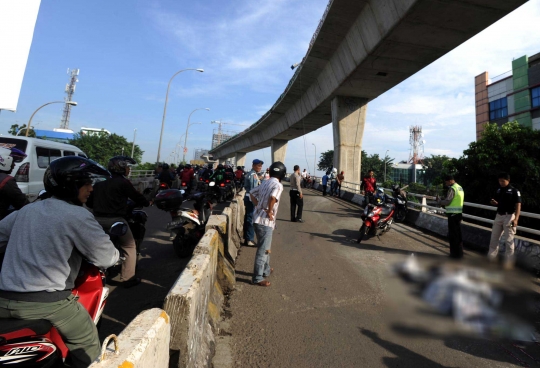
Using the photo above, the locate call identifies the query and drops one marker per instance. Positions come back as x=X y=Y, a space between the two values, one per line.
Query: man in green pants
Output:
x=45 y=244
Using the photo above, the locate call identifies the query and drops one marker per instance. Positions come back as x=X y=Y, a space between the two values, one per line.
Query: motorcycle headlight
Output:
x=371 y=214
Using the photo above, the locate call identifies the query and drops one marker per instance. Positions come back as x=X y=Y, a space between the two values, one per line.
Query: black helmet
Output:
x=188 y=166
x=118 y=164
x=395 y=187
x=278 y=170
x=66 y=175
x=220 y=167
x=165 y=166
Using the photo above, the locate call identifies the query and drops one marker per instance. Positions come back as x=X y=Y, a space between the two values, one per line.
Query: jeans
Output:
x=324 y=189
x=333 y=187
x=502 y=226
x=261 y=268
x=249 y=233
x=454 y=235
x=70 y=319
x=338 y=189
x=296 y=201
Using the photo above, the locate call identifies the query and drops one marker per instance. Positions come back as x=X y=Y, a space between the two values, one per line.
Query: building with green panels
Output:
x=514 y=95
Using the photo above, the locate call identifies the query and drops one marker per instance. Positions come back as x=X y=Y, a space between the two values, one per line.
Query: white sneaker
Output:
x=251 y=243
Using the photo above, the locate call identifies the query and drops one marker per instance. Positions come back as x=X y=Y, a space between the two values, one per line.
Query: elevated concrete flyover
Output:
x=361 y=49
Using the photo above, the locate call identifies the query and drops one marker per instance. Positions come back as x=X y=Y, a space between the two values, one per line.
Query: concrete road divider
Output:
x=143 y=343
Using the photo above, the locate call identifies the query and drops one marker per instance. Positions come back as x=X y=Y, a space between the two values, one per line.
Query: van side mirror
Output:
x=118 y=229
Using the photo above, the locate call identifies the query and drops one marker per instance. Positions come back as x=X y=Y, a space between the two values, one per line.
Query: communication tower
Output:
x=70 y=90
x=416 y=140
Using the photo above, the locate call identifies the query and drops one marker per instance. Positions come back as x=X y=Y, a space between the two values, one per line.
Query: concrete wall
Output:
x=194 y=302
x=143 y=343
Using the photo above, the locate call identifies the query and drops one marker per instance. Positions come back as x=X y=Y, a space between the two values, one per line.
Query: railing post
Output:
x=424 y=203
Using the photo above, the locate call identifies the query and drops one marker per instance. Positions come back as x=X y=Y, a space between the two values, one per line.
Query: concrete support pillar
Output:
x=279 y=149
x=348 y=120
x=240 y=158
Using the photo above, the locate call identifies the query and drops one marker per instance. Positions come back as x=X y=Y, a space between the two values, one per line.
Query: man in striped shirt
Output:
x=265 y=198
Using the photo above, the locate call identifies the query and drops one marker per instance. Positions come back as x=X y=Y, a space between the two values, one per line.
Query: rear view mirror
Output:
x=118 y=229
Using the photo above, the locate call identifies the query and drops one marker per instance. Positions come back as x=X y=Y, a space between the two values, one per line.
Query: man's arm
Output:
x=298 y=185
x=449 y=197
x=517 y=201
x=253 y=195
x=93 y=243
x=6 y=225
x=16 y=198
x=135 y=196
x=269 y=211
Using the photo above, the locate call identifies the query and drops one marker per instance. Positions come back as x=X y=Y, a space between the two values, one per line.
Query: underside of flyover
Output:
x=361 y=49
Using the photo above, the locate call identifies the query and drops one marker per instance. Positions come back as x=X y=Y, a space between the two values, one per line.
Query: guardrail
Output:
x=141 y=174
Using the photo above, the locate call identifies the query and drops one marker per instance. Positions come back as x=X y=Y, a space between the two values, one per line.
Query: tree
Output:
x=434 y=169
x=376 y=163
x=326 y=160
x=511 y=148
x=15 y=129
x=101 y=147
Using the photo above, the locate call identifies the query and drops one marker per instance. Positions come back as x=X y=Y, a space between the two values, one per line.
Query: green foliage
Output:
x=15 y=129
x=101 y=147
x=326 y=160
x=435 y=169
x=376 y=163
x=511 y=148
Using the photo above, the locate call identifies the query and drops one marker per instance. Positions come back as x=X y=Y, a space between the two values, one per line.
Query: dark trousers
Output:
x=454 y=235
x=324 y=188
x=296 y=201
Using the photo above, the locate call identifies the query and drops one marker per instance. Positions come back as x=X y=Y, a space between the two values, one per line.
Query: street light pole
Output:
x=314 y=160
x=72 y=103
x=133 y=145
x=165 y=108
x=187 y=127
x=385 y=164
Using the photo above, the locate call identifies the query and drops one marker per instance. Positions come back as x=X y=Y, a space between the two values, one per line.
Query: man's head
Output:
x=9 y=157
x=296 y=168
x=277 y=170
x=257 y=165
x=449 y=180
x=84 y=191
x=343 y=172
x=504 y=179
x=304 y=169
x=371 y=173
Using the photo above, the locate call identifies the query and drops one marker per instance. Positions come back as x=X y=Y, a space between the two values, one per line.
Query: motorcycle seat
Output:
x=386 y=209
x=39 y=326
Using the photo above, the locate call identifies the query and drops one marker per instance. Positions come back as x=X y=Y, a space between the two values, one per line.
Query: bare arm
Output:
x=269 y=211
x=518 y=212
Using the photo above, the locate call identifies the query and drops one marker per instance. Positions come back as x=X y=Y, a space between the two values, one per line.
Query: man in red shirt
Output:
x=187 y=176
x=368 y=186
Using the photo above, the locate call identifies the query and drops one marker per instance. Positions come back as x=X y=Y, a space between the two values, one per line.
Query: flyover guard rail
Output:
x=141 y=174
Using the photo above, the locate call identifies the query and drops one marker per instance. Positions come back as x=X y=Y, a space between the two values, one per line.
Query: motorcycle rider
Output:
x=219 y=174
x=166 y=176
x=46 y=243
x=109 y=202
x=10 y=194
x=252 y=180
x=187 y=176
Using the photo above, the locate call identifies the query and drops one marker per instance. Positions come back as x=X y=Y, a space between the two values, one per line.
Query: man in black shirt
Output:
x=109 y=202
x=508 y=202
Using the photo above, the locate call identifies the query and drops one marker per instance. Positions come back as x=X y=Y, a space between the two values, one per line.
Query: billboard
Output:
x=17 y=22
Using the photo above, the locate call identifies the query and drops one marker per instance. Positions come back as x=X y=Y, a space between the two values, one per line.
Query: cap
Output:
x=257 y=162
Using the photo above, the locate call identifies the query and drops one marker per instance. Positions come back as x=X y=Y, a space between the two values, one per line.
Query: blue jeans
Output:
x=249 y=233
x=262 y=258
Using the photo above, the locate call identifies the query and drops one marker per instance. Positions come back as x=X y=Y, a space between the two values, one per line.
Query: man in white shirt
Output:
x=265 y=198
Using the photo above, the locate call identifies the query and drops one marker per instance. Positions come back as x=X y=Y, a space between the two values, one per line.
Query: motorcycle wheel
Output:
x=363 y=231
x=181 y=247
x=400 y=215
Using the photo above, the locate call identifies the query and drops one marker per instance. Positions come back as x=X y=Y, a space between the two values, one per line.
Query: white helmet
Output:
x=7 y=156
x=334 y=170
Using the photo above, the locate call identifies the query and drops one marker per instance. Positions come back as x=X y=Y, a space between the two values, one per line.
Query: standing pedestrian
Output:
x=368 y=186
x=454 y=211
x=252 y=180
x=333 y=181
x=508 y=202
x=265 y=198
x=340 y=179
x=297 y=197
x=324 y=182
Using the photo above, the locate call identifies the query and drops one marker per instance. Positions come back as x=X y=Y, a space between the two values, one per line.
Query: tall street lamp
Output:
x=385 y=164
x=72 y=103
x=314 y=160
x=165 y=108
x=187 y=127
x=133 y=145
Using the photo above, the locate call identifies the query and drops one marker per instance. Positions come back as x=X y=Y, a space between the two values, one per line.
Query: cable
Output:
x=303 y=126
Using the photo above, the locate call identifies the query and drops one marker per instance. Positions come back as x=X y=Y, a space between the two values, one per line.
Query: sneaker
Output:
x=299 y=220
x=131 y=282
x=250 y=243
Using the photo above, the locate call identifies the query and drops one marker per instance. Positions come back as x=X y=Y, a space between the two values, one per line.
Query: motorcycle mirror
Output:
x=118 y=229
x=212 y=184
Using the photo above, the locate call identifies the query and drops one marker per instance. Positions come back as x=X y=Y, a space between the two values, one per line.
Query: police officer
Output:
x=508 y=202
x=454 y=211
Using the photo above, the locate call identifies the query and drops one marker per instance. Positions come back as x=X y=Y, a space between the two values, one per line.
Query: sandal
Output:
x=271 y=272
x=263 y=283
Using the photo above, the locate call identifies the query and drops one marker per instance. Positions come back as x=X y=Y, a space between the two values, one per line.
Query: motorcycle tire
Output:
x=400 y=215
x=181 y=247
x=363 y=231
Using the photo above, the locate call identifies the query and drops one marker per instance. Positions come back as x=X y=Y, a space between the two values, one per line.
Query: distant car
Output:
x=29 y=173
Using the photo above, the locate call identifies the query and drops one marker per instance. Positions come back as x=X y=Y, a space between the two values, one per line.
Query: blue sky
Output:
x=127 y=50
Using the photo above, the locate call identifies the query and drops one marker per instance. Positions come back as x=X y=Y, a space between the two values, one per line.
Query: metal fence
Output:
x=134 y=174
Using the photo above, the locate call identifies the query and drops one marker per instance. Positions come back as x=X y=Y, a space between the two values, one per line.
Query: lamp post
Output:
x=165 y=108
x=72 y=103
x=385 y=164
x=187 y=127
x=133 y=145
x=314 y=160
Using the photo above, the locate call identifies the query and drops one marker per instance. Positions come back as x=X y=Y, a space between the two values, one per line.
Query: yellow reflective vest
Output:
x=456 y=206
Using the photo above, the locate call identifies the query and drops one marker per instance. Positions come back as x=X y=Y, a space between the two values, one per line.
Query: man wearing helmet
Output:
x=109 y=202
x=10 y=193
x=43 y=261
x=265 y=198
x=187 y=176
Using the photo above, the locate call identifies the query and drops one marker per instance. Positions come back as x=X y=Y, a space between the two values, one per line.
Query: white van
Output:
x=29 y=173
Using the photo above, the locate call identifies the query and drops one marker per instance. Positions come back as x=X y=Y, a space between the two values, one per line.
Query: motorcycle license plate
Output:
x=174 y=224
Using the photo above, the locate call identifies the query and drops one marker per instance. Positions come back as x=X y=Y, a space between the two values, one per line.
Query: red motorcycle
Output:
x=377 y=218
x=36 y=343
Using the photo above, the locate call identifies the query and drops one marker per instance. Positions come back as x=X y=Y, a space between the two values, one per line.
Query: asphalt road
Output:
x=334 y=303
x=158 y=266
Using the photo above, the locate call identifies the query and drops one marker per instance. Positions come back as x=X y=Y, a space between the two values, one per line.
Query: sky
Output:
x=127 y=50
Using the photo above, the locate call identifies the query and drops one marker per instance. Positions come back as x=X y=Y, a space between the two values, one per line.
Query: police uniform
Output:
x=503 y=230
x=454 y=212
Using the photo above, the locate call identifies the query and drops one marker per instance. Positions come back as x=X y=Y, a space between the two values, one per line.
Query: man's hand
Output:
x=270 y=214
x=515 y=222
x=301 y=196
x=494 y=202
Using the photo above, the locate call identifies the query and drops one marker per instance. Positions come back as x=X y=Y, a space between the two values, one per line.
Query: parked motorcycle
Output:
x=36 y=343
x=187 y=225
x=377 y=219
x=400 y=200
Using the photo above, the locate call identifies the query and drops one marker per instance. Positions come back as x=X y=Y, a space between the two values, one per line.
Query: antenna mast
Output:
x=416 y=140
x=70 y=90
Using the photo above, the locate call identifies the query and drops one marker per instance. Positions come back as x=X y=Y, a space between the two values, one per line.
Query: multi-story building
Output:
x=514 y=95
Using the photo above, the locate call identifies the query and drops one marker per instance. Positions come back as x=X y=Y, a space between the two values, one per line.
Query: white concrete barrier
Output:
x=143 y=343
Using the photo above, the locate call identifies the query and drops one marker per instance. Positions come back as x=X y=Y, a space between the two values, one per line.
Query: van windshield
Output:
x=13 y=142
